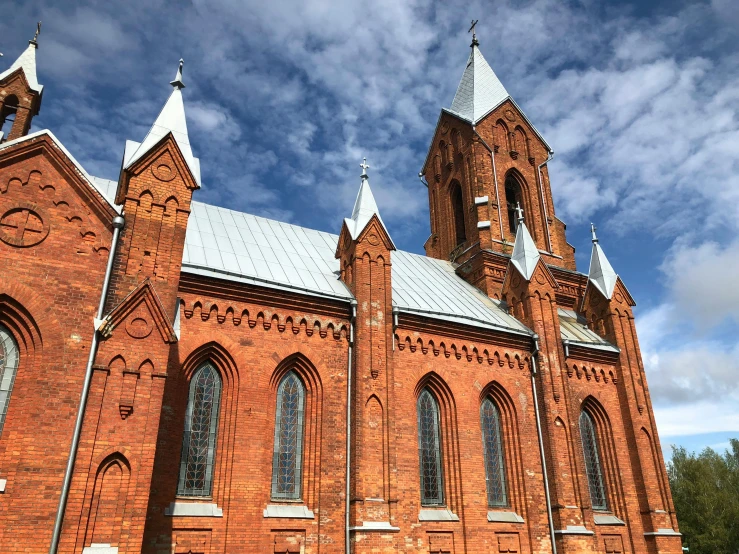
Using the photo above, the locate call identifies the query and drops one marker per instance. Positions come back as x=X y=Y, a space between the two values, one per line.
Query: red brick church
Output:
x=181 y=378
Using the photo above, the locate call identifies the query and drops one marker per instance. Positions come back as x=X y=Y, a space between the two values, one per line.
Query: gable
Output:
x=141 y=312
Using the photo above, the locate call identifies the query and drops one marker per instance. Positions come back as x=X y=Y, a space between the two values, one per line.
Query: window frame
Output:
x=498 y=473
x=436 y=449
x=593 y=466
x=297 y=471
x=10 y=358
x=187 y=438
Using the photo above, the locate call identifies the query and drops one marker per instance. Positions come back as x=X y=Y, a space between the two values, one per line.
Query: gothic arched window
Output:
x=512 y=199
x=7 y=115
x=8 y=368
x=201 y=427
x=592 y=461
x=287 y=458
x=429 y=450
x=458 y=213
x=493 y=446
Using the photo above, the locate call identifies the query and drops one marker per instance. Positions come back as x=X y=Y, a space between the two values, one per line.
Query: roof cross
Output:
x=592 y=230
x=519 y=211
x=472 y=30
x=34 y=40
x=364 y=167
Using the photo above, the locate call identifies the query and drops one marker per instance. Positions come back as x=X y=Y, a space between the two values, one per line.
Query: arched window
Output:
x=7 y=115
x=493 y=446
x=8 y=368
x=201 y=427
x=429 y=450
x=592 y=462
x=287 y=458
x=512 y=198
x=458 y=213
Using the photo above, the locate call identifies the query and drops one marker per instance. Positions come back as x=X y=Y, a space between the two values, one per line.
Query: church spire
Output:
x=170 y=120
x=26 y=62
x=480 y=90
x=525 y=253
x=364 y=206
x=601 y=273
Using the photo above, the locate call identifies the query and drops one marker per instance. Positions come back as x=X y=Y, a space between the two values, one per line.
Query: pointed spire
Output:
x=480 y=90
x=601 y=273
x=365 y=207
x=27 y=62
x=170 y=120
x=525 y=253
x=177 y=83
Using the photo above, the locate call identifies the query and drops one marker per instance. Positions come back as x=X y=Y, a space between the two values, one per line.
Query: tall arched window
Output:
x=592 y=462
x=493 y=446
x=201 y=427
x=458 y=213
x=287 y=458
x=429 y=450
x=7 y=115
x=8 y=368
x=512 y=199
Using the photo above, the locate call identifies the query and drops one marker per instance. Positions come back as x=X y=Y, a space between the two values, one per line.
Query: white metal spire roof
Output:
x=365 y=207
x=170 y=120
x=601 y=273
x=525 y=253
x=27 y=62
x=245 y=248
x=479 y=91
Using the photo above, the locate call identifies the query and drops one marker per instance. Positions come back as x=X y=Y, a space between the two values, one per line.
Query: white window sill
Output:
x=193 y=509
x=664 y=533
x=290 y=511
x=3 y=484
x=437 y=515
x=606 y=519
x=504 y=517
x=375 y=526
x=99 y=548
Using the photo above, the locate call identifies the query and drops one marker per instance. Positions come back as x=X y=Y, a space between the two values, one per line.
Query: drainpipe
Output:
x=534 y=355
x=550 y=155
x=118 y=223
x=347 y=537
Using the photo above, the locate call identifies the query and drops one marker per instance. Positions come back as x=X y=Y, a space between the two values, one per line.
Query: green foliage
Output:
x=705 y=490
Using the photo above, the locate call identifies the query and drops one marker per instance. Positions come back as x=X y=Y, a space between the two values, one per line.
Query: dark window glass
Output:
x=512 y=198
x=592 y=462
x=492 y=443
x=287 y=458
x=8 y=369
x=458 y=212
x=429 y=450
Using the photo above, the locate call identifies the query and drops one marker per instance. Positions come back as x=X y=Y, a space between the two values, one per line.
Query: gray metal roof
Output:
x=574 y=329
x=27 y=62
x=479 y=91
x=245 y=248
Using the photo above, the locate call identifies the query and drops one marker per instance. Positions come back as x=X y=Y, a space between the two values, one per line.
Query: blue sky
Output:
x=638 y=99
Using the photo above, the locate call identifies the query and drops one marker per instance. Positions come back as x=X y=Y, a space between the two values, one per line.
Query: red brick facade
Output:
x=163 y=323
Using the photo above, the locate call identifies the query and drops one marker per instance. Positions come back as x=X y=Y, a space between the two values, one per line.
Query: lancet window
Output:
x=429 y=450
x=287 y=458
x=592 y=462
x=458 y=213
x=493 y=447
x=512 y=198
x=201 y=428
x=8 y=369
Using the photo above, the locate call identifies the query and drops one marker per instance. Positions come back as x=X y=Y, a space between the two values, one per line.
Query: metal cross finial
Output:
x=519 y=211
x=34 y=40
x=177 y=83
x=472 y=30
x=592 y=231
x=364 y=167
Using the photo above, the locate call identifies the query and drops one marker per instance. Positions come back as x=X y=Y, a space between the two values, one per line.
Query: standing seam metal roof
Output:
x=242 y=247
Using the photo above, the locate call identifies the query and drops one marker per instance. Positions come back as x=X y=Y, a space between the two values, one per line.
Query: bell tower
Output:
x=20 y=93
x=485 y=158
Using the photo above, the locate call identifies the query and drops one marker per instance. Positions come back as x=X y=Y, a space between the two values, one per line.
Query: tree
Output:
x=705 y=490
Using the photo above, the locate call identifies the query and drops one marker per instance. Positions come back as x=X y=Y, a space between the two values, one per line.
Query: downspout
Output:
x=550 y=155
x=495 y=180
x=347 y=492
x=534 y=355
x=118 y=223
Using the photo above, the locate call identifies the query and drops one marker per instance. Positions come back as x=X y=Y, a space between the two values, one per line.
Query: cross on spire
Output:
x=592 y=231
x=364 y=167
x=34 y=40
x=177 y=83
x=519 y=211
x=472 y=30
